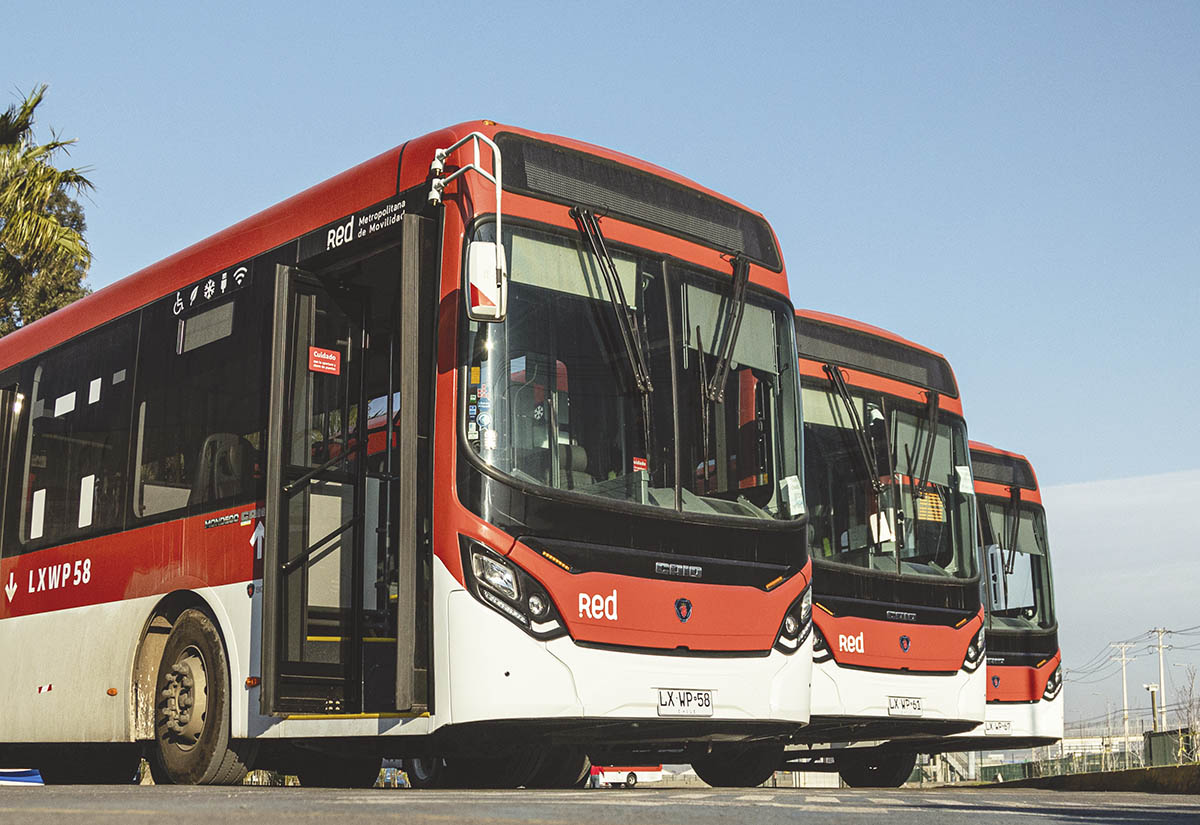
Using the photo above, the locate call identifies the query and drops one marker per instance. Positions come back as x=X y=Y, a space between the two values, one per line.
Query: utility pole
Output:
x=1124 y=647
x=1162 y=684
x=1153 y=708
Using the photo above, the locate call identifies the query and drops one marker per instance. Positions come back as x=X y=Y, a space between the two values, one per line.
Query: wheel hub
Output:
x=185 y=699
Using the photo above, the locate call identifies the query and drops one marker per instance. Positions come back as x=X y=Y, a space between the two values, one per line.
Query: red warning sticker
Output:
x=328 y=361
x=639 y=464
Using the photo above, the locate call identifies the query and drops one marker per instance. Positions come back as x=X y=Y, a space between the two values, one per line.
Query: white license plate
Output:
x=998 y=727
x=683 y=702
x=905 y=706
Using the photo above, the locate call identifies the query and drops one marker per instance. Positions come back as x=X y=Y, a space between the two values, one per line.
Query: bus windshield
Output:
x=886 y=518
x=1028 y=588
x=552 y=399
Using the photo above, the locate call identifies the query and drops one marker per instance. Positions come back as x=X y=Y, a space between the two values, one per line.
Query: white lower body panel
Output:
x=842 y=691
x=1042 y=719
x=497 y=671
x=56 y=670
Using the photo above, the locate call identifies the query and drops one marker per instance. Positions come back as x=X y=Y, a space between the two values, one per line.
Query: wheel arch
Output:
x=153 y=638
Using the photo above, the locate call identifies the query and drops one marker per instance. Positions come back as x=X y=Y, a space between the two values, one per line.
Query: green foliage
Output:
x=43 y=254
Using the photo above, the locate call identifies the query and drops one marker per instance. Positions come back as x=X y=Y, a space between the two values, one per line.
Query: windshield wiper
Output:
x=589 y=228
x=731 y=325
x=866 y=449
x=704 y=415
x=926 y=462
x=1010 y=563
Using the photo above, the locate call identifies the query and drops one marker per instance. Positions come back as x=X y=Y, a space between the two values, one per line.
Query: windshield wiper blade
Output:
x=866 y=450
x=1014 y=504
x=926 y=462
x=732 y=324
x=589 y=228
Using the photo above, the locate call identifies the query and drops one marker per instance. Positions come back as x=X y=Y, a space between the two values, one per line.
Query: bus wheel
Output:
x=631 y=780
x=109 y=765
x=424 y=772
x=191 y=715
x=732 y=766
x=332 y=770
x=562 y=767
x=888 y=770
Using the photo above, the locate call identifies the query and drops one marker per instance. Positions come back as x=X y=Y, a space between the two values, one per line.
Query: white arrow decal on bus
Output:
x=11 y=587
x=256 y=540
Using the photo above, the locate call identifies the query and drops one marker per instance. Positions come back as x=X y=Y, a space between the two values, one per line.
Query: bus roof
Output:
x=368 y=183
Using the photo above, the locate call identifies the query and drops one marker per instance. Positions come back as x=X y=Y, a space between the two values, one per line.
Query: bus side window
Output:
x=200 y=411
x=75 y=457
x=12 y=405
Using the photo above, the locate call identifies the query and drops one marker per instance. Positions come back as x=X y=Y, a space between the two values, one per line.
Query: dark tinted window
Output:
x=828 y=344
x=77 y=450
x=199 y=416
x=562 y=174
x=998 y=469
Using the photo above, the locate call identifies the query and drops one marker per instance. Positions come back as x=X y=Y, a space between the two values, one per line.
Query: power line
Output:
x=1100 y=657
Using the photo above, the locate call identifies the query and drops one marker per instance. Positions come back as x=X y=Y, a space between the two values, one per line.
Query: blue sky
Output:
x=1015 y=185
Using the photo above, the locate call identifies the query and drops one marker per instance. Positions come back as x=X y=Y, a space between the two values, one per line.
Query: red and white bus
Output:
x=1024 y=662
x=898 y=642
x=483 y=453
x=624 y=776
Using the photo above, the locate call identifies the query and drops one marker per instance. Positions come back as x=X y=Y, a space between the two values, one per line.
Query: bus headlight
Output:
x=493 y=573
x=821 y=651
x=510 y=591
x=1054 y=684
x=537 y=605
x=975 y=651
x=797 y=623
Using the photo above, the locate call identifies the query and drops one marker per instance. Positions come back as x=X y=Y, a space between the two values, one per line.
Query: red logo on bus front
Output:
x=328 y=361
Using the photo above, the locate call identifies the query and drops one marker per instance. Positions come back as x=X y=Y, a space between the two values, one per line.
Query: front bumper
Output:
x=851 y=692
x=496 y=672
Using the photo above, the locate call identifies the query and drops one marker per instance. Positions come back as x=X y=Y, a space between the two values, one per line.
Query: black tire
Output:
x=745 y=766
x=425 y=772
x=631 y=780
x=107 y=765
x=335 y=770
x=888 y=770
x=562 y=767
x=191 y=744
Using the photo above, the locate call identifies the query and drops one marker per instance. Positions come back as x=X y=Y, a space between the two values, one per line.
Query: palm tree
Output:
x=33 y=239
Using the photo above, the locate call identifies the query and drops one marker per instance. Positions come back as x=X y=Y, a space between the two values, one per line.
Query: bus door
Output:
x=339 y=560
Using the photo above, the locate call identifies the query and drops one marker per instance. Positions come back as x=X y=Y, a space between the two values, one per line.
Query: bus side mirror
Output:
x=487 y=282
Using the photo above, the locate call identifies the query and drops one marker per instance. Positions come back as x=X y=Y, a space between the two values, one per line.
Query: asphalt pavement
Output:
x=643 y=806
